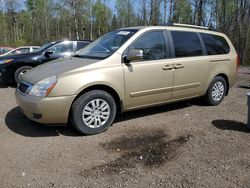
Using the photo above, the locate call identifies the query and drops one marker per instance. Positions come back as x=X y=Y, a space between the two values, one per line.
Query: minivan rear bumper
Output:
x=232 y=79
x=45 y=110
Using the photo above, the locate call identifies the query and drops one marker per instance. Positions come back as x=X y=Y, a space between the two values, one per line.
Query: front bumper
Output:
x=5 y=74
x=45 y=110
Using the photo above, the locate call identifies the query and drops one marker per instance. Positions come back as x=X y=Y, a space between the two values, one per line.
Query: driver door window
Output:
x=153 y=45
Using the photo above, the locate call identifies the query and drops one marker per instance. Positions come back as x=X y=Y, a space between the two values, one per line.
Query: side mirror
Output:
x=48 y=52
x=133 y=55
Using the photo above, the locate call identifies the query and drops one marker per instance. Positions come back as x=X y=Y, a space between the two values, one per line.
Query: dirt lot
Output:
x=177 y=145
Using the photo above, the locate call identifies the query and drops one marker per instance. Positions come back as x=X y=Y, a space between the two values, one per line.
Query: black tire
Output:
x=19 y=71
x=208 y=98
x=82 y=102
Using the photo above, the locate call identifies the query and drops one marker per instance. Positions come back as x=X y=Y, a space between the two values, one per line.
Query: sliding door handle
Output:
x=178 y=66
x=168 y=67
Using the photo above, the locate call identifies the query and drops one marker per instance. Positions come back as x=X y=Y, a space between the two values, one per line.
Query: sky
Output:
x=110 y=4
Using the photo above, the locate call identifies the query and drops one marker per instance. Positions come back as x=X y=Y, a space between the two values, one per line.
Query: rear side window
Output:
x=186 y=44
x=21 y=51
x=215 y=44
x=81 y=45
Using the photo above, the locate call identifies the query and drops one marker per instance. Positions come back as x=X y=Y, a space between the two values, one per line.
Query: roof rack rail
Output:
x=189 y=26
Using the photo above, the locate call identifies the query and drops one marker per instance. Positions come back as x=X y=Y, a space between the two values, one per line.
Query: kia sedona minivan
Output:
x=128 y=69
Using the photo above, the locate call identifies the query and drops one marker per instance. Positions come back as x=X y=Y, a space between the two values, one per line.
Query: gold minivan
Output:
x=128 y=69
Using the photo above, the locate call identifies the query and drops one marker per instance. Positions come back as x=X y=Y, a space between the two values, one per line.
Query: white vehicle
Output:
x=21 y=50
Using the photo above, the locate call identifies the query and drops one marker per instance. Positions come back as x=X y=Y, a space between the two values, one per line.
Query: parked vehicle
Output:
x=4 y=49
x=129 y=69
x=21 y=50
x=13 y=66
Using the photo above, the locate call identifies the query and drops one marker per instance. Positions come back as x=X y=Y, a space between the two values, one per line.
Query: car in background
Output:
x=21 y=50
x=12 y=67
x=4 y=49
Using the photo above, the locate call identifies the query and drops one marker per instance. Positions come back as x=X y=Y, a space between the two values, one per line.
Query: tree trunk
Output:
x=144 y=12
x=165 y=11
x=170 y=10
x=76 y=24
x=91 y=22
x=199 y=12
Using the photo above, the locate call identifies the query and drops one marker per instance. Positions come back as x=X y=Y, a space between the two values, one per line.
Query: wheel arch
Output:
x=226 y=79
x=110 y=90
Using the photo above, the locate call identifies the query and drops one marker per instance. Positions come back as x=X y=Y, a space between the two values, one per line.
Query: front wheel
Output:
x=93 y=112
x=216 y=91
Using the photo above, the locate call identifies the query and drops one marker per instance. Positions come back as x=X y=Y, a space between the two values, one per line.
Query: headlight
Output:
x=6 y=61
x=43 y=87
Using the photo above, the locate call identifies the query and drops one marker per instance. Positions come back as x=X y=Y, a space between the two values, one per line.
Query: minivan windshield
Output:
x=106 y=45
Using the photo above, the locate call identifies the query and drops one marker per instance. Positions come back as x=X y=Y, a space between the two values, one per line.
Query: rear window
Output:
x=186 y=44
x=5 y=50
x=81 y=45
x=215 y=45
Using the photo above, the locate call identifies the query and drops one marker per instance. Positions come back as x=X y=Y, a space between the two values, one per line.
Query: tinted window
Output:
x=152 y=44
x=5 y=50
x=81 y=45
x=62 y=47
x=35 y=49
x=215 y=44
x=186 y=44
x=21 y=51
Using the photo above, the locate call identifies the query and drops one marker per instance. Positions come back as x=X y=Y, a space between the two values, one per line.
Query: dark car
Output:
x=13 y=66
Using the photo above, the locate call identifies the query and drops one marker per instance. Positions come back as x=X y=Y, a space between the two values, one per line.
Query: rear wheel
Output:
x=93 y=112
x=216 y=91
x=20 y=71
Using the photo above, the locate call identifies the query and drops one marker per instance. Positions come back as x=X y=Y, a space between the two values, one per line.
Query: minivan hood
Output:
x=55 y=68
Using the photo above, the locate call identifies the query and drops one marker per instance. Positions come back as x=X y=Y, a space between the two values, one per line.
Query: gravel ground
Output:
x=178 y=145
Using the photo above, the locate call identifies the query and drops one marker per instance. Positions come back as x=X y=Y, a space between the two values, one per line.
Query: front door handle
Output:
x=178 y=66
x=168 y=67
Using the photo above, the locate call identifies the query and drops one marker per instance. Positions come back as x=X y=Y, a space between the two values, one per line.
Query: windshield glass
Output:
x=106 y=45
x=45 y=46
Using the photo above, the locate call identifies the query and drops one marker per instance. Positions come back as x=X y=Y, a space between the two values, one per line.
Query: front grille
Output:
x=23 y=87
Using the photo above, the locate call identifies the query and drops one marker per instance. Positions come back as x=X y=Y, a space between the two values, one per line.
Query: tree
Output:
x=74 y=7
x=154 y=12
x=39 y=21
x=182 y=12
x=101 y=16
x=125 y=13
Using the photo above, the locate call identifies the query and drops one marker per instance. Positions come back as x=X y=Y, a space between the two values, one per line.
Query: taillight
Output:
x=237 y=62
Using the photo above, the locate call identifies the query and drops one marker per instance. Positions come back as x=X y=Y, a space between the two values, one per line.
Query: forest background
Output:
x=35 y=22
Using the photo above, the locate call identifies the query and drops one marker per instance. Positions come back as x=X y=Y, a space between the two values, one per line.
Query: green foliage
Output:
x=41 y=21
x=101 y=17
x=125 y=13
x=182 y=12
